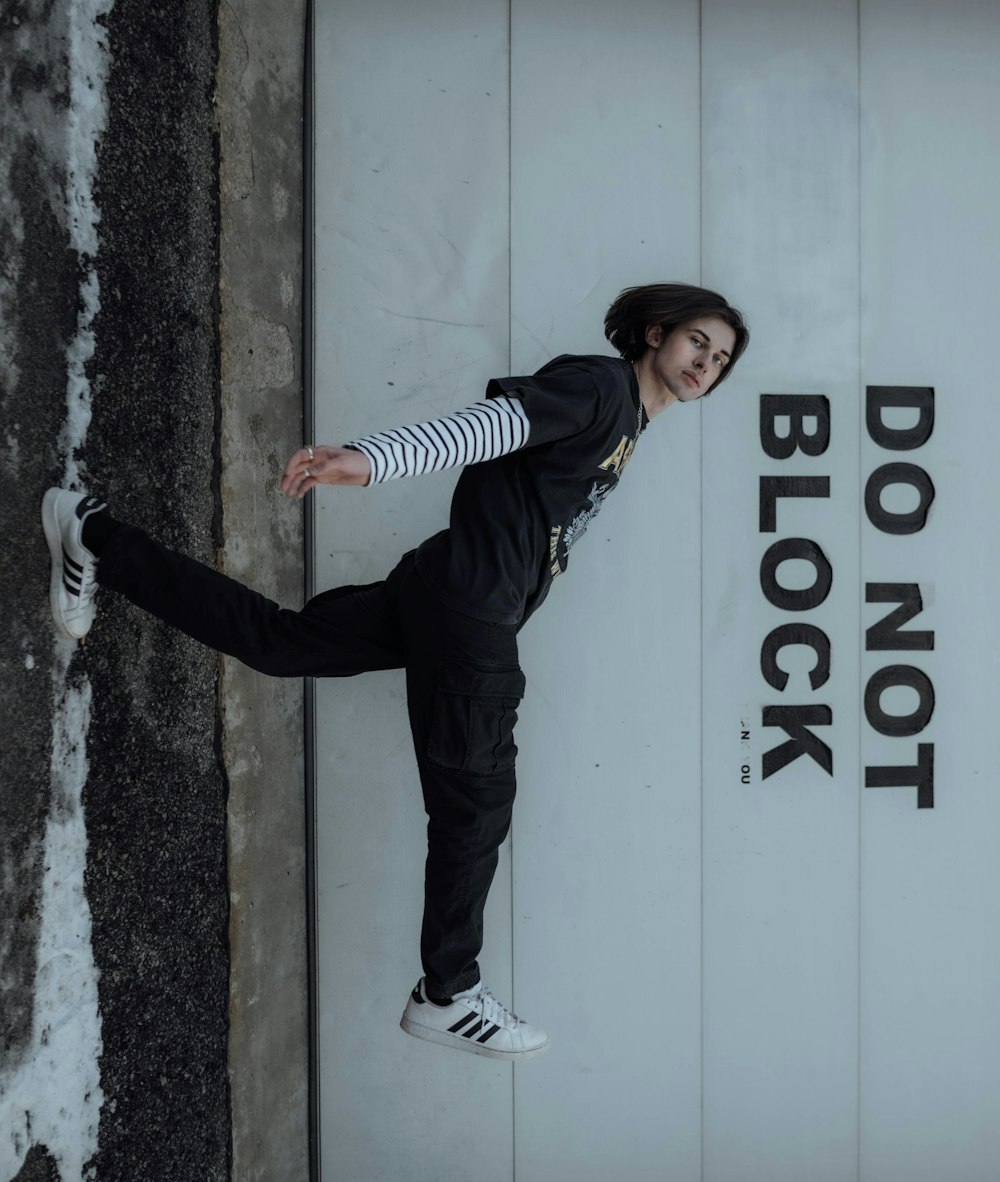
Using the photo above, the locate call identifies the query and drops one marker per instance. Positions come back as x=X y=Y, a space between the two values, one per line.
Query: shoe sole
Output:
x=53 y=535
x=444 y=1039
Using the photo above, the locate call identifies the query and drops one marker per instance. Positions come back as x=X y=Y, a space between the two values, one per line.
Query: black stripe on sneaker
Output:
x=462 y=1022
x=72 y=581
x=473 y=1029
x=488 y=1035
x=75 y=567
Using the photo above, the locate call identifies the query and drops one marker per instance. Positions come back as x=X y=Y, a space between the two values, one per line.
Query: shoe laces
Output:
x=88 y=581
x=494 y=1011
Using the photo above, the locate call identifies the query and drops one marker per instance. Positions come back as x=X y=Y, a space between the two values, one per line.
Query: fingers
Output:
x=299 y=460
x=300 y=472
x=310 y=466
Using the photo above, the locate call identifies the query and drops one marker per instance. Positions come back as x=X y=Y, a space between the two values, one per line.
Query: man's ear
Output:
x=654 y=335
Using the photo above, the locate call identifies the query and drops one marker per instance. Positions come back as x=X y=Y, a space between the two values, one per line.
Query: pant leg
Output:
x=337 y=634
x=463 y=688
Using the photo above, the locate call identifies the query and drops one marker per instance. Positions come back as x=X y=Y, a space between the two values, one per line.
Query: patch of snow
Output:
x=78 y=353
x=53 y=1095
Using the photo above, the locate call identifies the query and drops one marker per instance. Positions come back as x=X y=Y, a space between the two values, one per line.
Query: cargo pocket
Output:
x=475 y=711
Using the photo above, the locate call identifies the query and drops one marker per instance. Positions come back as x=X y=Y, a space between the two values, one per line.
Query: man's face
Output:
x=691 y=359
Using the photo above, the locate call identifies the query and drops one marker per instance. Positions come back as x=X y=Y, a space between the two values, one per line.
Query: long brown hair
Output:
x=669 y=305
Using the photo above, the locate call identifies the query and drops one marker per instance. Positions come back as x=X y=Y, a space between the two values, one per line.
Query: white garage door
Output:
x=752 y=888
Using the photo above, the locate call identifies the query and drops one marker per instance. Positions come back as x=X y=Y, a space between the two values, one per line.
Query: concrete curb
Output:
x=260 y=92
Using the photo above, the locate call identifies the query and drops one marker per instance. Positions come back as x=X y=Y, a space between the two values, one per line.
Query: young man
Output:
x=541 y=454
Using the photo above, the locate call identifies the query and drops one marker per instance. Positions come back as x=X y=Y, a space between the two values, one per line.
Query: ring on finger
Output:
x=310 y=453
x=308 y=472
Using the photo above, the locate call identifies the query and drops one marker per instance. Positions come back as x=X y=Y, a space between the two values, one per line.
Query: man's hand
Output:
x=327 y=465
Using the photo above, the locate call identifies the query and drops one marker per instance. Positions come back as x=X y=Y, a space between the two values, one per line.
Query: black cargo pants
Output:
x=463 y=687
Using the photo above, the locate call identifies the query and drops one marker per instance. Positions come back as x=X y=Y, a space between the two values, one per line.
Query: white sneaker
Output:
x=73 y=583
x=475 y=1021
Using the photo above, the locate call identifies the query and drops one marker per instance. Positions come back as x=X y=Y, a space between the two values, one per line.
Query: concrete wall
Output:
x=152 y=1017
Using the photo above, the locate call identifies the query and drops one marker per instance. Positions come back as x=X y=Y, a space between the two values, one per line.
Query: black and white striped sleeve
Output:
x=485 y=431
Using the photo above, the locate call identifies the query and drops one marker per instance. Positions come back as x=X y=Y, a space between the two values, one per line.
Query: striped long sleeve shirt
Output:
x=485 y=431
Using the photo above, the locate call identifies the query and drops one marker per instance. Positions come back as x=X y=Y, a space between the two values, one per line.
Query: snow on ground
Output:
x=53 y=1096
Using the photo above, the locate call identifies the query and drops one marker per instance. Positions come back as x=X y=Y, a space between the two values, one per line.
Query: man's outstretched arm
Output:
x=485 y=431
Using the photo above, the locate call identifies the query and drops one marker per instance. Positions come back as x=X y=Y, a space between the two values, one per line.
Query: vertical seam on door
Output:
x=860 y=624
x=510 y=362
x=309 y=723
x=701 y=615
x=510 y=182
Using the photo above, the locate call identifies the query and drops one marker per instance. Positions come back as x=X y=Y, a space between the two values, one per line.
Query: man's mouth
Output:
x=691 y=380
